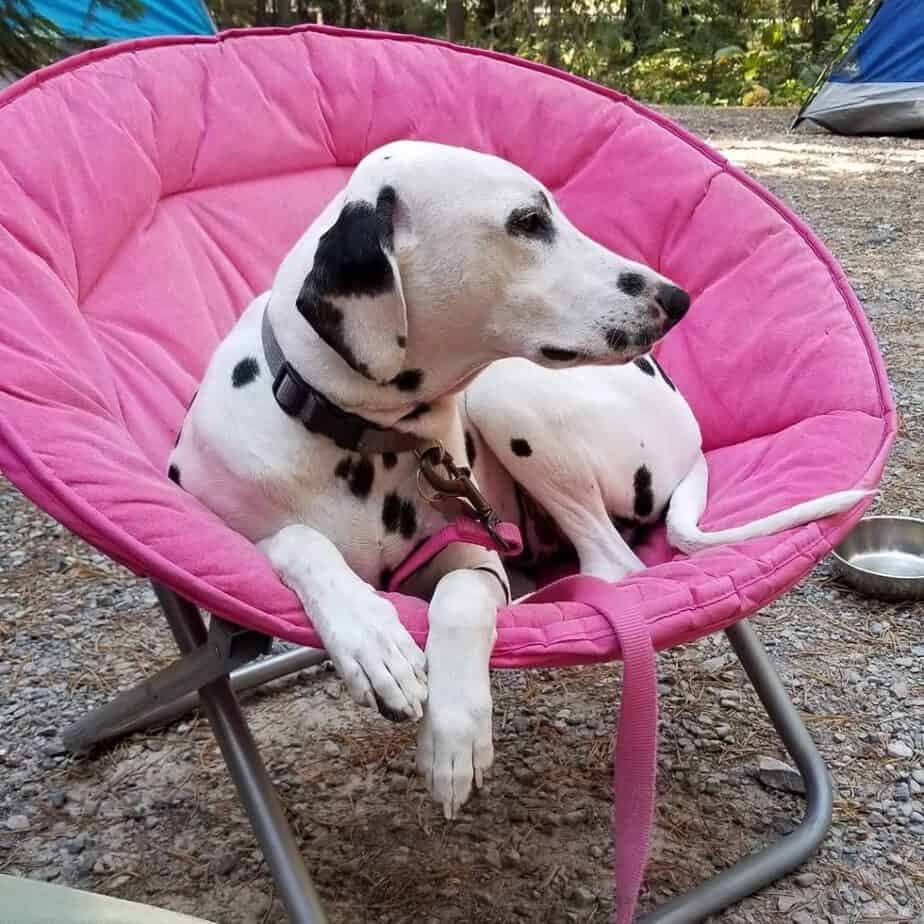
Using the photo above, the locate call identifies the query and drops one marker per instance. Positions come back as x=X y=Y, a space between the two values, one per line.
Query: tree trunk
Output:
x=551 y=50
x=455 y=20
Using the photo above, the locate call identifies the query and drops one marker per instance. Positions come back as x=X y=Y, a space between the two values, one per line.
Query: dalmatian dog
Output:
x=443 y=296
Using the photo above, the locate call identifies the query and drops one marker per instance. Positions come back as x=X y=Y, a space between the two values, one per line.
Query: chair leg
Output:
x=773 y=862
x=248 y=772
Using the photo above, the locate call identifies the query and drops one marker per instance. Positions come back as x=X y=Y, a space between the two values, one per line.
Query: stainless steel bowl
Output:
x=884 y=557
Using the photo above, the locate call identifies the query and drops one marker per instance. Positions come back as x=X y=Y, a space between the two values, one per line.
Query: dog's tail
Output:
x=689 y=501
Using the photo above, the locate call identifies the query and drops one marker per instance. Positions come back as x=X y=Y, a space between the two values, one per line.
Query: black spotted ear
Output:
x=352 y=297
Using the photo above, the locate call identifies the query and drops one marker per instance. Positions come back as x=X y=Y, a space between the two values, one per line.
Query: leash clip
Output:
x=457 y=484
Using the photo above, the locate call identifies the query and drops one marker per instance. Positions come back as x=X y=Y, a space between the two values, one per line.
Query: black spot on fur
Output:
x=408 y=380
x=245 y=372
x=664 y=375
x=644 y=365
x=389 y=459
x=402 y=341
x=632 y=530
x=173 y=473
x=179 y=434
x=343 y=467
x=617 y=339
x=470 y=452
x=389 y=713
x=519 y=447
x=391 y=512
x=418 y=411
x=408 y=519
x=631 y=283
x=644 y=496
x=361 y=477
x=558 y=354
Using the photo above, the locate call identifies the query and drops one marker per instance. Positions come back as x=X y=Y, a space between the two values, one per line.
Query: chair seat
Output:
x=182 y=171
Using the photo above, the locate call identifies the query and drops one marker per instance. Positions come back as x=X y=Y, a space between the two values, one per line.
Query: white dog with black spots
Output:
x=443 y=294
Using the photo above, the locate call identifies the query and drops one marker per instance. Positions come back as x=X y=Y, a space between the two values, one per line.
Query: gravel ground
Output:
x=155 y=818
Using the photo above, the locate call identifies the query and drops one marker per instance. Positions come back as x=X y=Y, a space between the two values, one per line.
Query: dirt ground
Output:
x=155 y=818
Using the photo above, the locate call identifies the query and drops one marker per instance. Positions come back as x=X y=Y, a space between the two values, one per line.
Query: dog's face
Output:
x=436 y=260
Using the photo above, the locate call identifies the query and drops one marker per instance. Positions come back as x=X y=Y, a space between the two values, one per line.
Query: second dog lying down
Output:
x=443 y=296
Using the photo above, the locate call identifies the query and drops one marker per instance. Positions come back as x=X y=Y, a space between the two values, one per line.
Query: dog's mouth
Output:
x=561 y=354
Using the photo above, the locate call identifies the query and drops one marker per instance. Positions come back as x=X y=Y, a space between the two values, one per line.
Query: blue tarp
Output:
x=85 y=19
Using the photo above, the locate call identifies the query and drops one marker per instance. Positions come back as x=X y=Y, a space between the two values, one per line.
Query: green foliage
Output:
x=722 y=52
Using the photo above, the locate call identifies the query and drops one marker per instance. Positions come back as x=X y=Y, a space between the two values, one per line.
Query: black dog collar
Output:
x=320 y=415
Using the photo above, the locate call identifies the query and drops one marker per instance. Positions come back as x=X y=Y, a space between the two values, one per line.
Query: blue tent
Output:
x=877 y=87
x=89 y=20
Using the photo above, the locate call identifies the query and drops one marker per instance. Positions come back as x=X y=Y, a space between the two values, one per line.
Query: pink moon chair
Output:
x=148 y=190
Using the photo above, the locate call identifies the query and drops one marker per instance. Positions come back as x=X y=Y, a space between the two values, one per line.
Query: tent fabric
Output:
x=182 y=170
x=878 y=85
x=89 y=19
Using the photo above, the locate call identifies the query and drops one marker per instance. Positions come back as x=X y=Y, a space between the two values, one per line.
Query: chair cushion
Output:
x=148 y=190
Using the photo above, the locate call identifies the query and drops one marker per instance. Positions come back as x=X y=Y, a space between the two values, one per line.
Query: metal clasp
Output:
x=456 y=483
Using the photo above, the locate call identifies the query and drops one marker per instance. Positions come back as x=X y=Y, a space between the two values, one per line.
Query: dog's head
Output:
x=435 y=260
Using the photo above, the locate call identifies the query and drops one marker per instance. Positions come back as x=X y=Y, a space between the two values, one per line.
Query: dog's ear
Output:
x=352 y=297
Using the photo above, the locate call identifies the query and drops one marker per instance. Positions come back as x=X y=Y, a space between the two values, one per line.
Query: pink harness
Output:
x=636 y=752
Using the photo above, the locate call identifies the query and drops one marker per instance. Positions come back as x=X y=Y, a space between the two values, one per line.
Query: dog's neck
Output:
x=384 y=405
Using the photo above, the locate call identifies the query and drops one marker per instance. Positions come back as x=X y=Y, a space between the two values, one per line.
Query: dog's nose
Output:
x=673 y=300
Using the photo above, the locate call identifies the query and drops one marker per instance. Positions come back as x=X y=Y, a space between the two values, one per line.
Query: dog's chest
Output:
x=372 y=511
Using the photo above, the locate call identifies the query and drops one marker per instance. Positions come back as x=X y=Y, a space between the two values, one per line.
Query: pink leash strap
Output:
x=462 y=529
x=635 y=761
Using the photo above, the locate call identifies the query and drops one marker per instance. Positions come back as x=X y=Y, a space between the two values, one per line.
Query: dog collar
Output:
x=320 y=415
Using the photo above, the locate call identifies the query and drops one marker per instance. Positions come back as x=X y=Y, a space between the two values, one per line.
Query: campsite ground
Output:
x=155 y=817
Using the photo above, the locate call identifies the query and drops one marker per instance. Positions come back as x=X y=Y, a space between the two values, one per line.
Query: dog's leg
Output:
x=602 y=552
x=373 y=653
x=455 y=743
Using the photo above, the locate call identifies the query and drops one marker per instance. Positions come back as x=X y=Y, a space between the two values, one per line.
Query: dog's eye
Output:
x=531 y=222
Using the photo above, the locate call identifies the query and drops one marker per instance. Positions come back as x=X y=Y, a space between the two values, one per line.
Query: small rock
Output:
x=803 y=917
x=918 y=777
x=513 y=857
x=226 y=864
x=77 y=845
x=583 y=897
x=900 y=689
x=900 y=749
x=786 y=903
x=916 y=818
x=877 y=820
x=902 y=792
x=806 y=880
x=331 y=749
x=492 y=857
x=877 y=628
x=57 y=799
x=596 y=851
x=712 y=665
x=17 y=823
x=895 y=859
x=775 y=774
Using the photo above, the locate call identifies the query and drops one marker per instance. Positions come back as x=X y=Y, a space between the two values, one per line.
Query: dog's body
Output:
x=390 y=305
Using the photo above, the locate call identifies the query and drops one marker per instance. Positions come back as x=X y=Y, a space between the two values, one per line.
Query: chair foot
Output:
x=783 y=856
x=249 y=773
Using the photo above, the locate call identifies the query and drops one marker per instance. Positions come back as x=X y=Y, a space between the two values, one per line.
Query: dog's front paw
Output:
x=455 y=747
x=378 y=660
